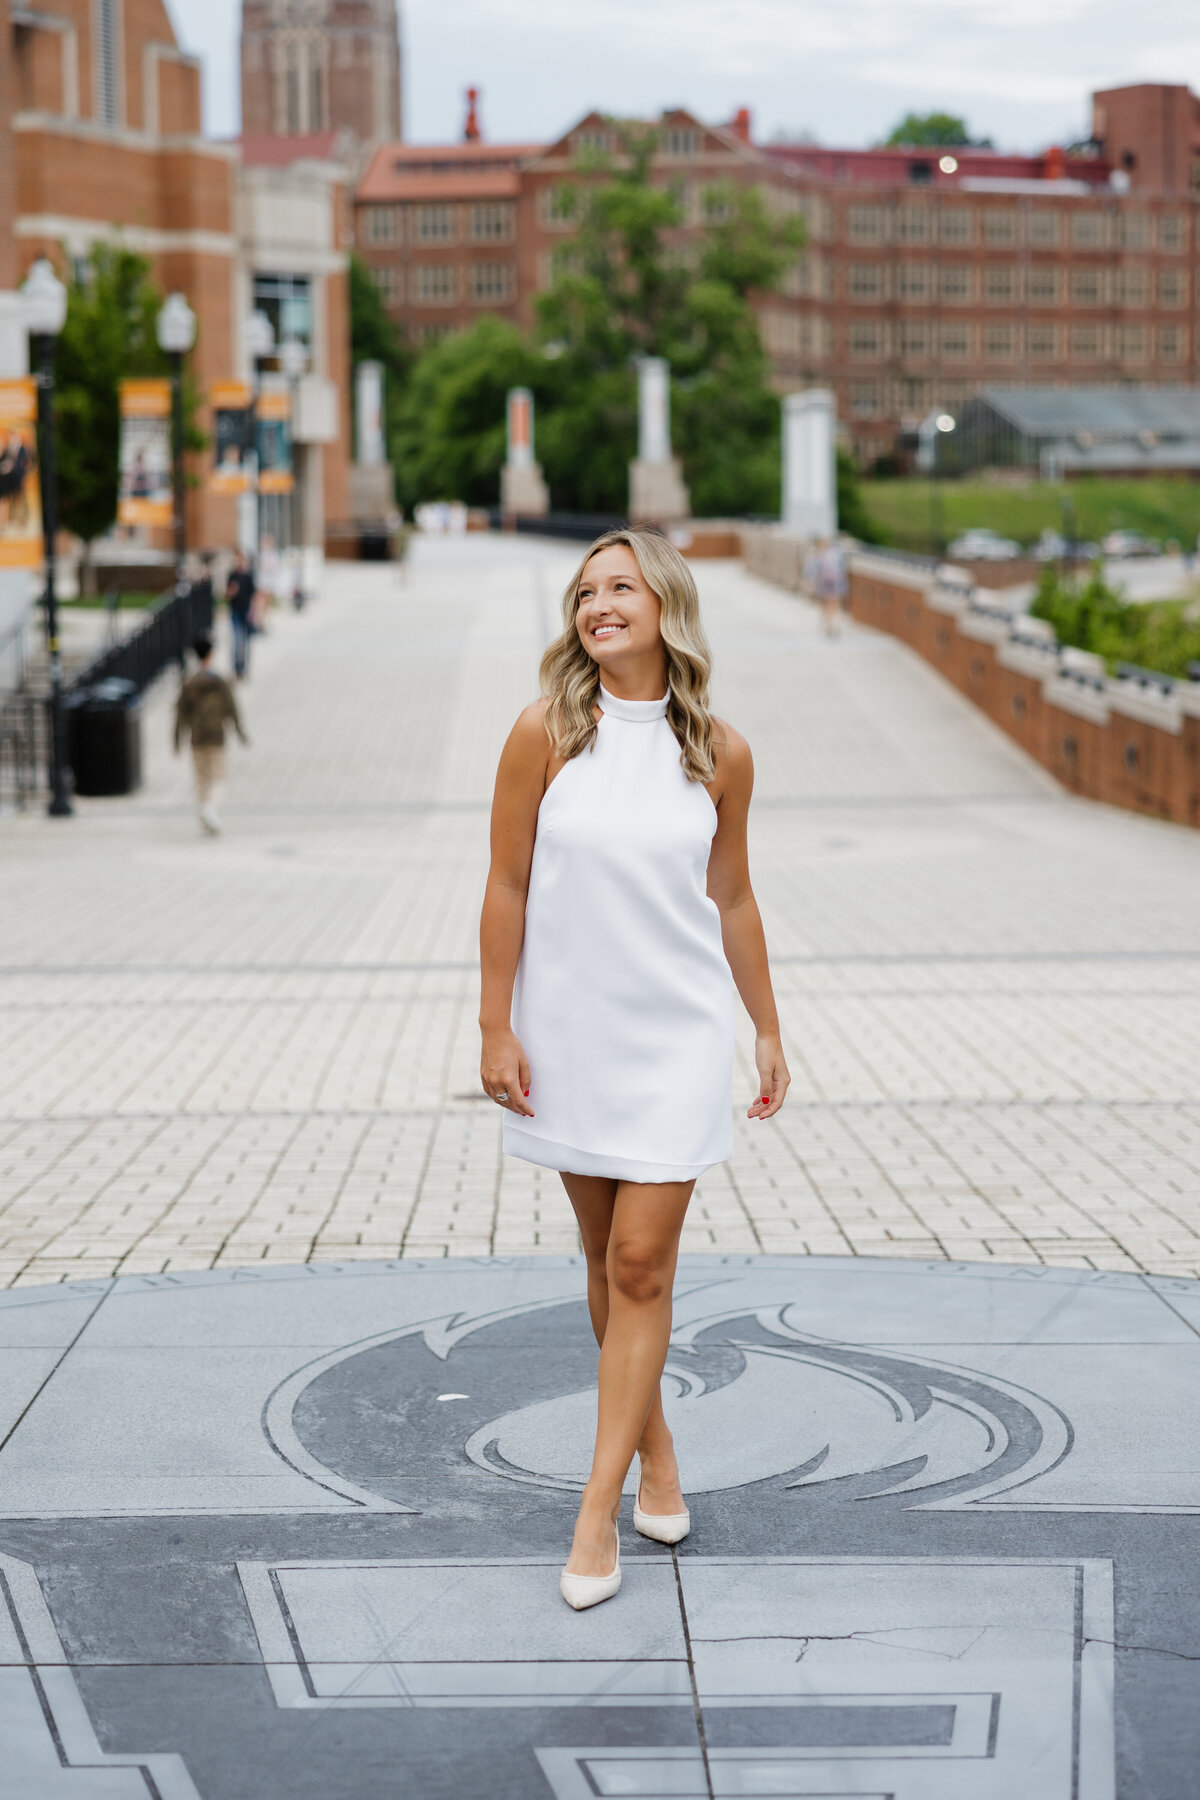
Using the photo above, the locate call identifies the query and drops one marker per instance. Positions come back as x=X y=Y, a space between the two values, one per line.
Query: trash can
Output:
x=105 y=737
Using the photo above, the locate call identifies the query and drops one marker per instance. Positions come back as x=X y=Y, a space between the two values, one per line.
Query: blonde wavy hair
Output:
x=570 y=679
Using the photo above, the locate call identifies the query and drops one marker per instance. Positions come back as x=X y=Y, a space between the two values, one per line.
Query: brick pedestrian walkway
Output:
x=264 y=1047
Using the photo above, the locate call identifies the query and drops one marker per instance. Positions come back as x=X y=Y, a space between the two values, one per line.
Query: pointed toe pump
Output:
x=582 y=1591
x=664 y=1528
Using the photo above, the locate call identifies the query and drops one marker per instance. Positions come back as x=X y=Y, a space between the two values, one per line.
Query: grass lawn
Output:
x=903 y=511
x=125 y=602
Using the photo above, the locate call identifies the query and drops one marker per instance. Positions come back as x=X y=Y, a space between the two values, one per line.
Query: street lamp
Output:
x=293 y=360
x=176 y=331
x=44 y=306
x=260 y=343
x=932 y=427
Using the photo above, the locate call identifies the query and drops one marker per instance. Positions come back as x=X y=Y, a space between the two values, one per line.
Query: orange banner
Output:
x=20 y=489
x=233 y=441
x=145 y=495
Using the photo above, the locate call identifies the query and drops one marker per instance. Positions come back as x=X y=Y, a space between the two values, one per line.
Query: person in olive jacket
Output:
x=204 y=708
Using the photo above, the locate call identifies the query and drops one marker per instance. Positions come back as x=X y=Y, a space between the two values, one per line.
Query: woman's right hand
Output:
x=504 y=1069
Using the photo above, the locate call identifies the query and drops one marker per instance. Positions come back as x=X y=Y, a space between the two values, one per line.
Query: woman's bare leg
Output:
x=593 y=1198
x=629 y=1295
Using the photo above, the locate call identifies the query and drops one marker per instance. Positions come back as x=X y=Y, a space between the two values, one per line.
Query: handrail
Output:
x=177 y=617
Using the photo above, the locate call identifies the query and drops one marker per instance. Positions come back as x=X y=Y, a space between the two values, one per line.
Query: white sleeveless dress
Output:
x=623 y=998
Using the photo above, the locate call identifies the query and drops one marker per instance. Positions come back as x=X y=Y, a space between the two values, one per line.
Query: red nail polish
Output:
x=766 y=1097
x=526 y=1092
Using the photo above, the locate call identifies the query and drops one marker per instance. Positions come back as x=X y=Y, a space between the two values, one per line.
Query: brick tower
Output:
x=321 y=65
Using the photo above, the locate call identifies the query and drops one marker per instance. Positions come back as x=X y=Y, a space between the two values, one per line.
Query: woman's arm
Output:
x=741 y=927
x=520 y=784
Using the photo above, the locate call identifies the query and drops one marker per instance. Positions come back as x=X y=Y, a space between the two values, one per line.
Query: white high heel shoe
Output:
x=664 y=1528
x=581 y=1591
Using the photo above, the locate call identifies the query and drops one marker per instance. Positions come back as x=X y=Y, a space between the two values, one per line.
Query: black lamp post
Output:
x=44 y=304
x=176 y=331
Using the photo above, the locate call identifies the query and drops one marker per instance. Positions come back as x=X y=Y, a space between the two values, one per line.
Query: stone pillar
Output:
x=522 y=489
x=368 y=413
x=809 y=463
x=657 y=494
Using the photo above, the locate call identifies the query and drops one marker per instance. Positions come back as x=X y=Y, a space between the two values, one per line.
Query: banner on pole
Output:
x=233 y=438
x=144 y=493
x=20 y=489
x=274 y=417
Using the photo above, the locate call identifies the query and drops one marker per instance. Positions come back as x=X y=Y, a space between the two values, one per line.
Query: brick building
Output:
x=100 y=140
x=925 y=276
x=321 y=65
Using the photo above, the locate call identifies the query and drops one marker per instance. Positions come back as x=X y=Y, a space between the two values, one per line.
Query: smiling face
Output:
x=618 y=616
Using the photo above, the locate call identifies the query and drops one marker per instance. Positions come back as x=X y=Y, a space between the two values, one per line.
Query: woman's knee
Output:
x=638 y=1272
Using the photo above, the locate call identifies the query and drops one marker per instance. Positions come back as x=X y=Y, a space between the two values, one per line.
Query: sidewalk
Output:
x=262 y=1049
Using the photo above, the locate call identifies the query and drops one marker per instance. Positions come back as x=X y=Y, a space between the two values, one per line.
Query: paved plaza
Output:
x=296 y=1375
x=263 y=1049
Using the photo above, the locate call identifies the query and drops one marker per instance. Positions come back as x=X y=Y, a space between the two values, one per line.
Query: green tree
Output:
x=1092 y=616
x=934 y=129
x=109 y=334
x=375 y=337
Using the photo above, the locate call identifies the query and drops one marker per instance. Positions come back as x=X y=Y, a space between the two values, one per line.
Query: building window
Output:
x=954 y=225
x=865 y=224
x=436 y=225
x=866 y=281
x=287 y=302
x=1086 y=343
x=912 y=396
x=955 y=340
x=1087 y=230
x=1044 y=287
x=437 y=284
x=1043 y=343
x=1171 y=232
x=999 y=342
x=1000 y=228
x=1043 y=229
x=912 y=337
x=1131 y=231
x=865 y=399
x=866 y=339
x=594 y=140
x=1087 y=286
x=316 y=115
x=558 y=208
x=434 y=334
x=955 y=282
x=1000 y=285
x=1131 y=343
x=1131 y=287
x=912 y=281
x=492 y=283
x=912 y=224
x=107 y=63
x=380 y=224
x=490 y=222
x=783 y=333
x=679 y=141
x=1171 y=343
x=717 y=204
x=387 y=283
x=1172 y=287
x=810 y=277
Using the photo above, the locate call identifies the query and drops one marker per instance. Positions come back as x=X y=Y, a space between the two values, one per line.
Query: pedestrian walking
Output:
x=205 y=706
x=240 y=590
x=617 y=920
x=832 y=584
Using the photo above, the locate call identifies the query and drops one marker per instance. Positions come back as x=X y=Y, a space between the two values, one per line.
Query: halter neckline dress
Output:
x=623 y=999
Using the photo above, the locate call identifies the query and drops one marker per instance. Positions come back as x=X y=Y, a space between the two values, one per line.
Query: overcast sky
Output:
x=841 y=70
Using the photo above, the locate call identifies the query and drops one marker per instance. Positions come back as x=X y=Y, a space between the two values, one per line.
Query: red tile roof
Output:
x=444 y=171
x=280 y=152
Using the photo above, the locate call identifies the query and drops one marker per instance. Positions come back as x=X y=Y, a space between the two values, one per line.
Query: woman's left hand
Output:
x=774 y=1080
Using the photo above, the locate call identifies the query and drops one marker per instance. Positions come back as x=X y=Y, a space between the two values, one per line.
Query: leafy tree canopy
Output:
x=109 y=334
x=934 y=129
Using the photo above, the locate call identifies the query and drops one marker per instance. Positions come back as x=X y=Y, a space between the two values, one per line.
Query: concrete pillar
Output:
x=810 y=463
x=368 y=412
x=522 y=489
x=657 y=494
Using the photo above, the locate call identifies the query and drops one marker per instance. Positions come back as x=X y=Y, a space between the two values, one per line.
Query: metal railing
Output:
x=182 y=613
x=23 y=739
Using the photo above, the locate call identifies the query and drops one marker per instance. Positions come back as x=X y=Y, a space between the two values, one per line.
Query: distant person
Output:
x=204 y=708
x=830 y=577
x=240 y=590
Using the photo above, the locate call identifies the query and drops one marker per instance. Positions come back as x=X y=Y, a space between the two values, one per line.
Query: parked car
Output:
x=1130 y=543
x=1052 y=546
x=983 y=545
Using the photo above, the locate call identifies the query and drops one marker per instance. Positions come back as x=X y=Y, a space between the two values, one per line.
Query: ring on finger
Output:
x=500 y=1096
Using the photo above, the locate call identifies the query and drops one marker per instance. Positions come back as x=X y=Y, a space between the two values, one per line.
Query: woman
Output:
x=617 y=904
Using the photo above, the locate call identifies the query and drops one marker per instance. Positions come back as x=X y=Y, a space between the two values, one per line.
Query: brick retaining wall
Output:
x=1109 y=740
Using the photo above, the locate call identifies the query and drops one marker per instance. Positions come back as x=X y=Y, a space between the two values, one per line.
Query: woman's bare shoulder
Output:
x=528 y=743
x=730 y=749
